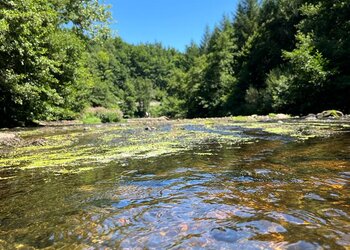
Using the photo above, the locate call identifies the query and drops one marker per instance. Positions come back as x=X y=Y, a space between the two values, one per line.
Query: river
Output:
x=269 y=191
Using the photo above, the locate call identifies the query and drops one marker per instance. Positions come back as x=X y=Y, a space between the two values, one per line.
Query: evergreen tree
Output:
x=204 y=44
x=246 y=21
x=57 y=57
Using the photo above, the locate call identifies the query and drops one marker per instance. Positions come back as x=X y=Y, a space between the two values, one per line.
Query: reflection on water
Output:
x=266 y=195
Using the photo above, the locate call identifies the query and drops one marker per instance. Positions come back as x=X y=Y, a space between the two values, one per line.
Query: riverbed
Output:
x=188 y=184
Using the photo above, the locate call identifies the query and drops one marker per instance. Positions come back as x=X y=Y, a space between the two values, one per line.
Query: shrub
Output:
x=172 y=107
x=90 y=119
x=155 y=111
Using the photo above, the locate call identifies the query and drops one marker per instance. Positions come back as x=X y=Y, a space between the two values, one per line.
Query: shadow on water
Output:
x=267 y=195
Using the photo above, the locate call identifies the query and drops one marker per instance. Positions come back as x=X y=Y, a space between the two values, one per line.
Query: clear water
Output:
x=271 y=194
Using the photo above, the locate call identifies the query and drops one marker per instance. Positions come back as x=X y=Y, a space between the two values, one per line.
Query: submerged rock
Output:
x=37 y=142
x=150 y=128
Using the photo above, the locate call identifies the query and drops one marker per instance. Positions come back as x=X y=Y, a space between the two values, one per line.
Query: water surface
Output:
x=271 y=193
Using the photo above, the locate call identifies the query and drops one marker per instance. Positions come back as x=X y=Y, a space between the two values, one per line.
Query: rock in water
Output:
x=37 y=142
x=282 y=116
x=150 y=128
x=310 y=117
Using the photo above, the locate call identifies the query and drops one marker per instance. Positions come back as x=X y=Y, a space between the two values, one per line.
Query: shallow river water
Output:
x=268 y=194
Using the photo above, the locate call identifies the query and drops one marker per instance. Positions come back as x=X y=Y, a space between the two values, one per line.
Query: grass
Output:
x=101 y=115
x=91 y=119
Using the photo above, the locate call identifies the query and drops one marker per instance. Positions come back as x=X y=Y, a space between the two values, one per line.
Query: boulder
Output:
x=310 y=117
x=282 y=116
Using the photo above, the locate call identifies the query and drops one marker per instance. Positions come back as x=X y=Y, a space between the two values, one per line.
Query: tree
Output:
x=57 y=56
x=219 y=77
x=328 y=22
x=245 y=26
x=264 y=32
x=39 y=59
x=195 y=101
x=87 y=18
x=315 y=76
x=246 y=20
x=203 y=48
x=299 y=88
x=143 y=90
x=192 y=52
x=26 y=68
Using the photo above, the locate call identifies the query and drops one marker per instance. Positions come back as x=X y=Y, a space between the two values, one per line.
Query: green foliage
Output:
x=57 y=57
x=287 y=56
x=100 y=114
x=308 y=61
x=40 y=62
x=278 y=88
x=212 y=75
x=109 y=115
x=246 y=20
x=195 y=102
x=300 y=87
x=257 y=101
x=204 y=45
x=84 y=17
x=143 y=89
x=133 y=76
x=155 y=111
x=23 y=51
x=90 y=118
x=328 y=21
x=173 y=107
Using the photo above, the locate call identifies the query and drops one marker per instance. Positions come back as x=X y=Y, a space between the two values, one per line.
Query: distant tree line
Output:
x=57 y=57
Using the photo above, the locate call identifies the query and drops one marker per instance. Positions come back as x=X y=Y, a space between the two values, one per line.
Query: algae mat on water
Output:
x=70 y=149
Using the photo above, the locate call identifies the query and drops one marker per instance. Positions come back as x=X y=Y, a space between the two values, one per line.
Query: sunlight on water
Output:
x=271 y=194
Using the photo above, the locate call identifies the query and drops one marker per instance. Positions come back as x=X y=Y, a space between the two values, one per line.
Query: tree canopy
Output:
x=58 y=57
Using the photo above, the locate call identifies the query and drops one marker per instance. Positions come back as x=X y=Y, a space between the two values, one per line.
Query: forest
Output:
x=59 y=60
x=265 y=164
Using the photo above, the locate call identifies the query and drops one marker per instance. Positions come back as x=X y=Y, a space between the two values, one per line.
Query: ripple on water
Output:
x=230 y=235
x=313 y=196
x=261 y=227
x=258 y=196
x=287 y=218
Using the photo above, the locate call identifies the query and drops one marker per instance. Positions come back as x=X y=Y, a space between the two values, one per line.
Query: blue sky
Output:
x=174 y=23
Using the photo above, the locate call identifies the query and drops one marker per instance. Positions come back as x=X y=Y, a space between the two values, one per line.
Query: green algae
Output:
x=81 y=148
x=87 y=201
x=299 y=131
x=242 y=118
x=64 y=170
